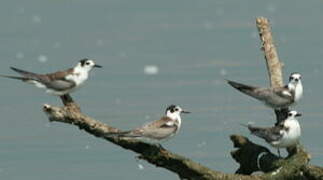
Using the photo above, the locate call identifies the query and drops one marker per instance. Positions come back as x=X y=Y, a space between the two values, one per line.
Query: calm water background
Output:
x=195 y=45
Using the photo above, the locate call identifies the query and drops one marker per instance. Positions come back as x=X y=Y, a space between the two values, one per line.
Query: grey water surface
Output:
x=195 y=45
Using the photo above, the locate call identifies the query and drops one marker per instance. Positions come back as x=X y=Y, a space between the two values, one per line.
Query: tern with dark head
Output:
x=284 y=135
x=276 y=98
x=61 y=82
x=157 y=130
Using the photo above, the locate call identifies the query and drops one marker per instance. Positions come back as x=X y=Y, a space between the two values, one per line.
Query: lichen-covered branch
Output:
x=253 y=158
x=313 y=172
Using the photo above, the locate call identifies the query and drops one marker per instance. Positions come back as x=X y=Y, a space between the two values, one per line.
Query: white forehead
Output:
x=293 y=113
x=90 y=61
x=296 y=75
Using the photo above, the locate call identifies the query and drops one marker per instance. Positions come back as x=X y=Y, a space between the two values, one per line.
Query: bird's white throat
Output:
x=79 y=75
x=298 y=90
x=175 y=116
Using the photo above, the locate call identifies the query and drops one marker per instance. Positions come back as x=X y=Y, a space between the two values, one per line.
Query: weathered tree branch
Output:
x=247 y=154
x=251 y=157
x=154 y=154
x=274 y=66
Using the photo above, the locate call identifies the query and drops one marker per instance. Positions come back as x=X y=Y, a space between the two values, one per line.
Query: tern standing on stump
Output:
x=276 y=98
x=158 y=130
x=60 y=82
x=284 y=135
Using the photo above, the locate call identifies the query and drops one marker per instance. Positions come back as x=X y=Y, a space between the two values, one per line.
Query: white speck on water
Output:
x=147 y=117
x=99 y=42
x=164 y=25
x=122 y=55
x=219 y=11
x=271 y=8
x=117 y=101
x=223 y=72
x=87 y=147
x=151 y=70
x=141 y=167
x=208 y=25
x=20 y=55
x=36 y=19
x=201 y=144
x=21 y=10
x=42 y=58
x=57 y=45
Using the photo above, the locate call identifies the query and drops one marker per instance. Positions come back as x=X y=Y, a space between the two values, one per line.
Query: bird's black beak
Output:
x=97 y=66
x=298 y=114
x=186 y=112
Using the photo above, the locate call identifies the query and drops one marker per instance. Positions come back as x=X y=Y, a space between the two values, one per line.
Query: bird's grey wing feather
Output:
x=58 y=85
x=269 y=134
x=256 y=92
x=284 y=93
x=158 y=129
x=54 y=81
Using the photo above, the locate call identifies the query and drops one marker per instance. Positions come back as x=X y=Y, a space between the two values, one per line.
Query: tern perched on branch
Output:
x=284 y=135
x=61 y=82
x=276 y=98
x=158 y=130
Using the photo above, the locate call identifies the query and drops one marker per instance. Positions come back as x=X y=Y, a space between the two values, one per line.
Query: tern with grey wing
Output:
x=276 y=98
x=280 y=99
x=58 y=83
x=284 y=135
x=158 y=130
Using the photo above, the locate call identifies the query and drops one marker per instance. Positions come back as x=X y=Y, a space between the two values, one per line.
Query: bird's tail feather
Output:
x=240 y=86
x=15 y=77
x=26 y=74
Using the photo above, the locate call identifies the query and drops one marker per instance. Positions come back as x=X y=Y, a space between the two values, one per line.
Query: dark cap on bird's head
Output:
x=173 y=108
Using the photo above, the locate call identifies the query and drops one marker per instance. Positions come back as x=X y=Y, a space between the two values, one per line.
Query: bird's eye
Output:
x=176 y=109
x=87 y=63
x=290 y=114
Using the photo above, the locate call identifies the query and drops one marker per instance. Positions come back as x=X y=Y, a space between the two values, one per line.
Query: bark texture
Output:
x=274 y=66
